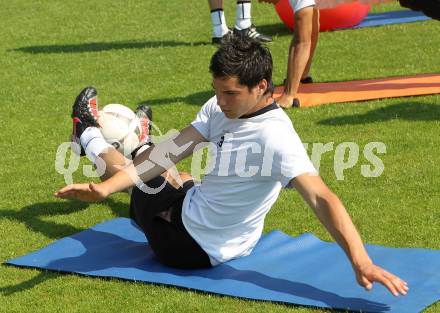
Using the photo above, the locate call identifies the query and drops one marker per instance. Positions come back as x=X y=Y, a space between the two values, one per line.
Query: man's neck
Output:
x=264 y=102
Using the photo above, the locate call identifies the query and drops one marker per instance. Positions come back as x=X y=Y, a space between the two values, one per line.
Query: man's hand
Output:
x=370 y=273
x=333 y=215
x=285 y=101
x=84 y=192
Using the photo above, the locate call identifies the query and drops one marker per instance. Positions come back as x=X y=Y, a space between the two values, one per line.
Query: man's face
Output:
x=235 y=99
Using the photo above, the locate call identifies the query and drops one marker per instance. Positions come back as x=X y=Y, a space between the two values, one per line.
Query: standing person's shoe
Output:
x=218 y=40
x=84 y=114
x=296 y=103
x=307 y=80
x=252 y=32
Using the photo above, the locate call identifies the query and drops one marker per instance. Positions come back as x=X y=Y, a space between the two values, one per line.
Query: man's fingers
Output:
x=375 y=273
x=83 y=192
x=366 y=283
x=392 y=283
x=71 y=190
x=66 y=195
x=402 y=288
x=73 y=187
x=399 y=284
x=92 y=187
x=65 y=189
x=387 y=283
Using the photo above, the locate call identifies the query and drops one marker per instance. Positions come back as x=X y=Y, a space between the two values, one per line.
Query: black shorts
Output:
x=169 y=240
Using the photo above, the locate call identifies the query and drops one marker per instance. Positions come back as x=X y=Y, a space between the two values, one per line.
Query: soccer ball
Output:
x=120 y=127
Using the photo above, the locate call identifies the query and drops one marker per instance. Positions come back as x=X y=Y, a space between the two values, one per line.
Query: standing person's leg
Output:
x=299 y=53
x=243 y=14
x=219 y=26
x=243 y=22
x=306 y=78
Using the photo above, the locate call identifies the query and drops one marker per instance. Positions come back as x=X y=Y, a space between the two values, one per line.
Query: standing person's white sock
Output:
x=218 y=23
x=243 y=16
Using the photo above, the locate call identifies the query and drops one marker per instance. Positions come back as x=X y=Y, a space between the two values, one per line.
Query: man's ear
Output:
x=262 y=86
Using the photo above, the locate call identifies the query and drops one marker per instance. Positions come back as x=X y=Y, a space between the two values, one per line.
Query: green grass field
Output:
x=134 y=51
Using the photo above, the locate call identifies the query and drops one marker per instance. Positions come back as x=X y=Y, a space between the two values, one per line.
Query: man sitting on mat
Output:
x=202 y=225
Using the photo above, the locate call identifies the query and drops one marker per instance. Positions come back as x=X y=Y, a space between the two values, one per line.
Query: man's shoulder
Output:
x=211 y=103
x=279 y=133
x=277 y=124
x=210 y=108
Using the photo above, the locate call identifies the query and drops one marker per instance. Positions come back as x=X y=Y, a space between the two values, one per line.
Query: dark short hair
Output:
x=245 y=58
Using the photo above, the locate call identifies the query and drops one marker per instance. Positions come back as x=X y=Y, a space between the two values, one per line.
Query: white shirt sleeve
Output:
x=203 y=118
x=291 y=159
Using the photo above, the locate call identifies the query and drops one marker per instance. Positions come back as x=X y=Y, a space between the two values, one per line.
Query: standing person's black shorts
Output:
x=169 y=240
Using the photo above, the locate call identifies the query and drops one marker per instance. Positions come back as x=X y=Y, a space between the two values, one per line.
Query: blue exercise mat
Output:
x=302 y=270
x=394 y=17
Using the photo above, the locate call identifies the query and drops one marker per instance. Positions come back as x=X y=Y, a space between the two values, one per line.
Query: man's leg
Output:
x=112 y=160
x=151 y=211
x=160 y=217
x=105 y=157
x=87 y=134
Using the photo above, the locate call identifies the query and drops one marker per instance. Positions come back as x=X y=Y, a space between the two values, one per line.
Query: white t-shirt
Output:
x=251 y=160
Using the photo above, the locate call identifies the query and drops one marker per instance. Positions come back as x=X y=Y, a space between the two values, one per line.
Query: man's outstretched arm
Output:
x=146 y=166
x=333 y=215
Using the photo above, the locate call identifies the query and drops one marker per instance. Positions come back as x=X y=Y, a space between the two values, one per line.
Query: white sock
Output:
x=219 y=23
x=243 y=17
x=93 y=143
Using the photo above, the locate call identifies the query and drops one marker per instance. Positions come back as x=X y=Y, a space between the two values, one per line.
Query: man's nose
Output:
x=220 y=102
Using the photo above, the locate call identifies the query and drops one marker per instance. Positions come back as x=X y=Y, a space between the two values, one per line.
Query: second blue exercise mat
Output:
x=394 y=17
x=302 y=270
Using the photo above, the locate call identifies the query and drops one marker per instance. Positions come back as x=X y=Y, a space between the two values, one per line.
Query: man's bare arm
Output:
x=167 y=154
x=148 y=165
x=333 y=215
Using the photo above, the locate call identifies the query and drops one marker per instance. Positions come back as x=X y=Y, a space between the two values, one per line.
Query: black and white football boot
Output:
x=252 y=32
x=145 y=116
x=84 y=114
